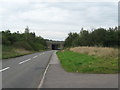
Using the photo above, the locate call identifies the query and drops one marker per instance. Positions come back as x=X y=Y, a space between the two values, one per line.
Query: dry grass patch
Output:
x=103 y=52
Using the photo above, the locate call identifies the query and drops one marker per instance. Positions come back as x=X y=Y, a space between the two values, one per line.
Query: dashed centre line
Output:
x=21 y=62
x=25 y=61
x=4 y=69
x=35 y=56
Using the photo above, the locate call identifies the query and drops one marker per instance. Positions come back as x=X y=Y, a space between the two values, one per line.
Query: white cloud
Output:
x=45 y=15
x=52 y=1
x=55 y=20
x=54 y=35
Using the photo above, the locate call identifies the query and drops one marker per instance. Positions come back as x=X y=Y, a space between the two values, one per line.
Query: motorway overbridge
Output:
x=55 y=45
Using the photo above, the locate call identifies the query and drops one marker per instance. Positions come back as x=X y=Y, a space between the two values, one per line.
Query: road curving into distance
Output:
x=25 y=71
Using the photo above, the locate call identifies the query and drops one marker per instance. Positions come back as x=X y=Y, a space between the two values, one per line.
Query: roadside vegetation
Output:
x=17 y=44
x=100 y=37
x=93 y=51
x=10 y=52
x=101 y=52
x=77 y=60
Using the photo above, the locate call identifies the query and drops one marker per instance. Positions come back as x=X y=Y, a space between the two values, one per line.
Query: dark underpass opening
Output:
x=55 y=46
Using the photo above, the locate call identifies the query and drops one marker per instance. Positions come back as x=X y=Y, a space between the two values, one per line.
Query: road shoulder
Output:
x=57 y=77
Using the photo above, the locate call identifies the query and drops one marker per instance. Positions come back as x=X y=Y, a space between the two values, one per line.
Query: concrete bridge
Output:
x=55 y=45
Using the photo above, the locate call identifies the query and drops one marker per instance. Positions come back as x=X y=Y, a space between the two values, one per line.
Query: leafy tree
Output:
x=27 y=40
x=97 y=37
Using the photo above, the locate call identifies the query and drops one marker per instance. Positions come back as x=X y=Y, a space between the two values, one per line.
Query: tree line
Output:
x=97 y=37
x=27 y=40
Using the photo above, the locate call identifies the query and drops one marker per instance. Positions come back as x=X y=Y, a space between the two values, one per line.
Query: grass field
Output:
x=85 y=63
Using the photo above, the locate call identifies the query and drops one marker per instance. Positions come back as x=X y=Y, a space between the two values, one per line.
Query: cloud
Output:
x=54 y=20
x=52 y=1
x=51 y=14
x=54 y=35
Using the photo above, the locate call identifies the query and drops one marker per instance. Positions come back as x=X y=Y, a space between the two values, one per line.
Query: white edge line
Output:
x=4 y=69
x=41 y=82
x=24 y=61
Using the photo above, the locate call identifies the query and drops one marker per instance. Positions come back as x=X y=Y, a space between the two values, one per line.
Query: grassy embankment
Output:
x=10 y=52
x=89 y=60
x=17 y=44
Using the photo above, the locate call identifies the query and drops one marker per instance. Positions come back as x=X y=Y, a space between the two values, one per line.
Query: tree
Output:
x=26 y=40
x=97 y=37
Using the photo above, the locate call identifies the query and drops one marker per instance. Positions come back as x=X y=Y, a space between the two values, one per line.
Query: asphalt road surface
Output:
x=25 y=71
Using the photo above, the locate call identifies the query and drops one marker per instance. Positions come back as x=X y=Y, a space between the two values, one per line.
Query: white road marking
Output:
x=43 y=53
x=35 y=56
x=44 y=74
x=25 y=61
x=4 y=69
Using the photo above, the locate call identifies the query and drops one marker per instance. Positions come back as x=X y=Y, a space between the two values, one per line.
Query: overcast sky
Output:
x=53 y=19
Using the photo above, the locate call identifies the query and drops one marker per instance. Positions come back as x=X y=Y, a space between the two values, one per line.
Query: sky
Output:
x=54 y=19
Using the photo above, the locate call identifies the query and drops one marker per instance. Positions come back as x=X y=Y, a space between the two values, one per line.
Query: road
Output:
x=57 y=77
x=25 y=71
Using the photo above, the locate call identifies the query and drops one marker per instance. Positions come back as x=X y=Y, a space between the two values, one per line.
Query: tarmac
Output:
x=57 y=77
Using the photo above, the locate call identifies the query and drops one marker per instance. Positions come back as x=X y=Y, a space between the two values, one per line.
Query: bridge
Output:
x=55 y=45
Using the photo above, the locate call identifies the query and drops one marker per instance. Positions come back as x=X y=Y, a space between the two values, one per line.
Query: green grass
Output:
x=83 y=63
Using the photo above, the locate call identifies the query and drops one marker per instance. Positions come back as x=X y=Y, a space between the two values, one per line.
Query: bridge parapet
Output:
x=55 y=45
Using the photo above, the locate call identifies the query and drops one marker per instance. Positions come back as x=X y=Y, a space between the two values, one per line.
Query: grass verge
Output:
x=83 y=63
x=10 y=52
